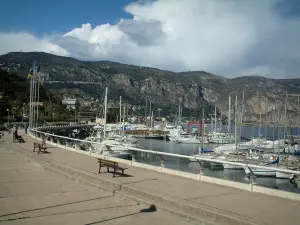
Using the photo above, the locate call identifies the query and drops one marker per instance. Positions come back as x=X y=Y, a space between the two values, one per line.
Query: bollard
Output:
x=162 y=165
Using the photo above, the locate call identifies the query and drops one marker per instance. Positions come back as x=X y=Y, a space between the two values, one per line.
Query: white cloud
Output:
x=10 y=42
x=230 y=38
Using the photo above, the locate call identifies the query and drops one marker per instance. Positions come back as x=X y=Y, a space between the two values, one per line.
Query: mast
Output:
x=30 y=102
x=120 y=113
x=266 y=129
x=146 y=110
x=221 y=119
x=274 y=127
x=235 y=123
x=33 y=95
x=179 y=115
x=229 y=113
x=259 y=130
x=38 y=98
x=124 y=119
x=202 y=131
x=150 y=110
x=152 y=119
x=105 y=112
x=242 y=116
x=285 y=118
x=298 y=116
x=215 y=118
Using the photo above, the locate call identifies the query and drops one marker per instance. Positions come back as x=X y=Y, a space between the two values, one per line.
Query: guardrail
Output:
x=35 y=133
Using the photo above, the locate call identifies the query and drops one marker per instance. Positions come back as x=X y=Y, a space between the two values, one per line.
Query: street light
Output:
x=53 y=113
x=159 y=112
x=23 y=112
x=7 y=115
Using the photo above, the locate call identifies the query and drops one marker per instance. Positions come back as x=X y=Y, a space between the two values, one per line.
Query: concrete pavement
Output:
x=205 y=201
x=29 y=194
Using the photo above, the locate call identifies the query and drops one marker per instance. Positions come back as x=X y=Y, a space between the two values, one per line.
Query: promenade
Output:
x=31 y=195
x=194 y=200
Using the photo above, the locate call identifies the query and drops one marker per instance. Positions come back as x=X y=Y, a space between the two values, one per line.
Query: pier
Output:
x=179 y=200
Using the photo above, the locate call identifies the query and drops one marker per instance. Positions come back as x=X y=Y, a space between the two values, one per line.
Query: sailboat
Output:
x=217 y=136
x=263 y=172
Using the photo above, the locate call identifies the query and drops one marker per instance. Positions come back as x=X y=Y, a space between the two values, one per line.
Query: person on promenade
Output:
x=17 y=137
x=43 y=141
x=26 y=127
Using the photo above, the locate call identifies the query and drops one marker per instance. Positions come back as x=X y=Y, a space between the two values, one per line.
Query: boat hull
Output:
x=232 y=167
x=282 y=175
x=260 y=172
x=155 y=137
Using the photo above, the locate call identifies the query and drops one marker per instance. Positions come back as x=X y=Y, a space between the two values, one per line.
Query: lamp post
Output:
x=159 y=112
x=53 y=113
x=7 y=115
x=23 y=112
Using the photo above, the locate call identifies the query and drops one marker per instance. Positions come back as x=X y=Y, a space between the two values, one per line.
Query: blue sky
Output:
x=226 y=37
x=58 y=16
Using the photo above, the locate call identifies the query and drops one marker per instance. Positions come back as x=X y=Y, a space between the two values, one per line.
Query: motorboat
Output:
x=154 y=136
x=220 y=137
x=188 y=140
x=106 y=149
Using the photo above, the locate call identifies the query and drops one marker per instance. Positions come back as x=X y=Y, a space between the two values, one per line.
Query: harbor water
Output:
x=194 y=167
x=209 y=170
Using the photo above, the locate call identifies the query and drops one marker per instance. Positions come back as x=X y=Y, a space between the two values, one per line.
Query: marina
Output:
x=266 y=178
x=150 y=112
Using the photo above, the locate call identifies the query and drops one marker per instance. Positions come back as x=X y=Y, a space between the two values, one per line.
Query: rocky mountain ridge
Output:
x=165 y=89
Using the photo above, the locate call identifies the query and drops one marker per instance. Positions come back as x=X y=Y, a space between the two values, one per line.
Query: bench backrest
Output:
x=107 y=162
x=36 y=144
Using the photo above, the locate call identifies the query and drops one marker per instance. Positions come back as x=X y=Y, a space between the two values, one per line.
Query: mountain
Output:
x=15 y=93
x=165 y=89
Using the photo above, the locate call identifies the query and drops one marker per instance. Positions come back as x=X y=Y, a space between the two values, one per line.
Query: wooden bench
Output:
x=39 y=146
x=110 y=164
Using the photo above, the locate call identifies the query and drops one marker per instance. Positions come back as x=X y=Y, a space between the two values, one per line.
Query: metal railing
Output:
x=35 y=132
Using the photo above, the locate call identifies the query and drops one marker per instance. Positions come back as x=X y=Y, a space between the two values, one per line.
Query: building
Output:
x=69 y=102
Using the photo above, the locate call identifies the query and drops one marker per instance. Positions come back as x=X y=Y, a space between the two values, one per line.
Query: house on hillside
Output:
x=69 y=102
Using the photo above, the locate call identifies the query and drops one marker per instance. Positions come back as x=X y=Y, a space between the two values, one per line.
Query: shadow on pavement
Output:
x=152 y=208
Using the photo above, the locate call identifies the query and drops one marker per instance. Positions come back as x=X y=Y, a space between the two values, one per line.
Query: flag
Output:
x=31 y=71
x=38 y=67
x=30 y=74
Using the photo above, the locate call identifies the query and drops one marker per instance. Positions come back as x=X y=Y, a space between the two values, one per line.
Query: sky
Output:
x=227 y=37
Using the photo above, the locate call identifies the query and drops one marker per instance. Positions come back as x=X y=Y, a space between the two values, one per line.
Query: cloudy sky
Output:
x=227 y=37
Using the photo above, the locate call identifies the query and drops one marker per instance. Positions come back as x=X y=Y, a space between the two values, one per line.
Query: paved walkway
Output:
x=29 y=194
x=262 y=209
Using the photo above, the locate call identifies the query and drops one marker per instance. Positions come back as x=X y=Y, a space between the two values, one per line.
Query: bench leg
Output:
x=107 y=169
x=99 y=171
x=123 y=173
x=114 y=171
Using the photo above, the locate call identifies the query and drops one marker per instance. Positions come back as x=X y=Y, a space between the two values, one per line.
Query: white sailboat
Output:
x=262 y=172
x=217 y=136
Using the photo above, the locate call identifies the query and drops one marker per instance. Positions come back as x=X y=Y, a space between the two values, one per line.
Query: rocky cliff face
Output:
x=165 y=89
